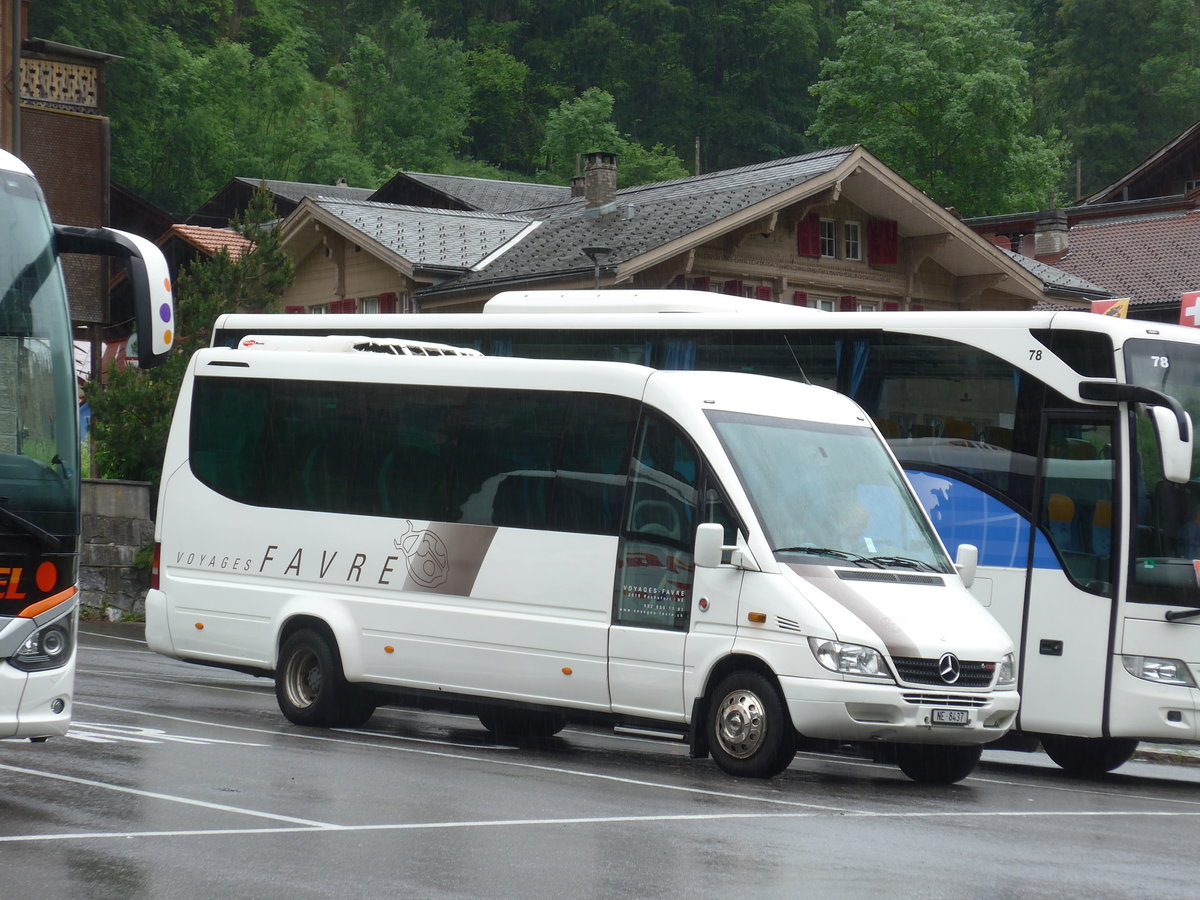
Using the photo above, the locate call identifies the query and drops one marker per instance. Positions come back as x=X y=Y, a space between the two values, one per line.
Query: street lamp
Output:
x=595 y=254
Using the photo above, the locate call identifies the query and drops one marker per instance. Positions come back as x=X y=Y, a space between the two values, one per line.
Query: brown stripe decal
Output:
x=894 y=638
x=443 y=558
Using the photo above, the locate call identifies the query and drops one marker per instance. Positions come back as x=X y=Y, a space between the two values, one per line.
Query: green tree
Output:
x=938 y=89
x=132 y=412
x=586 y=124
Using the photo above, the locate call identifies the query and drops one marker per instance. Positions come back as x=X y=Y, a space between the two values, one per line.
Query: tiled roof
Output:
x=487 y=195
x=1055 y=279
x=1150 y=259
x=298 y=190
x=645 y=217
x=429 y=237
x=210 y=240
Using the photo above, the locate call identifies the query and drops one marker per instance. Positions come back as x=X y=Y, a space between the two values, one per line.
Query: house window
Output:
x=369 y=304
x=852 y=240
x=868 y=306
x=829 y=238
x=824 y=303
x=1191 y=185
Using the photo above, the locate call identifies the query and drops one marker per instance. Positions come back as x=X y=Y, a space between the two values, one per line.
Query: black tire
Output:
x=310 y=687
x=1088 y=757
x=937 y=763
x=522 y=724
x=750 y=733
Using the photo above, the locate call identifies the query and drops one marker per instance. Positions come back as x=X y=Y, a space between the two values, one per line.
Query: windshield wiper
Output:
x=1174 y=615
x=904 y=562
x=49 y=541
x=829 y=551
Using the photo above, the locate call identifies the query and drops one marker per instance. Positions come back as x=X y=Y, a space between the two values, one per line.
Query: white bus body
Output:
x=1046 y=439
x=39 y=443
x=535 y=539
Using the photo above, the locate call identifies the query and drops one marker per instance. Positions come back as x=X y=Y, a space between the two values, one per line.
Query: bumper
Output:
x=854 y=711
x=1143 y=709
x=28 y=707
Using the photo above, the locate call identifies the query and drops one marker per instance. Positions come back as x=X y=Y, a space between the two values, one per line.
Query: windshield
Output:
x=39 y=413
x=1166 y=515
x=828 y=493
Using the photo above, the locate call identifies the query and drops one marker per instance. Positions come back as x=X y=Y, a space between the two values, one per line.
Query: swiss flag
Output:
x=1189 y=310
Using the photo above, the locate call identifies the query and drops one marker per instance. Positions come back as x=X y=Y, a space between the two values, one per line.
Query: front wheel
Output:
x=1088 y=757
x=310 y=687
x=750 y=731
x=937 y=763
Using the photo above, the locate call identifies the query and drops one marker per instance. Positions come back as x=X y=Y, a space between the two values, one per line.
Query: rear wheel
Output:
x=522 y=724
x=1088 y=756
x=750 y=732
x=937 y=763
x=310 y=687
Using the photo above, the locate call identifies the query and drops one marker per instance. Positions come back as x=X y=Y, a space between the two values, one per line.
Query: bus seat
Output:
x=957 y=428
x=998 y=436
x=1080 y=449
x=655 y=517
x=1102 y=528
x=1061 y=522
x=889 y=428
x=920 y=430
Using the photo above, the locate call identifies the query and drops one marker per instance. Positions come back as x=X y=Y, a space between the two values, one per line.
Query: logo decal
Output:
x=949 y=668
x=425 y=555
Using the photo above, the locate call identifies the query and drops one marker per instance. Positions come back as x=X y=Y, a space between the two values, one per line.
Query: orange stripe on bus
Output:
x=49 y=603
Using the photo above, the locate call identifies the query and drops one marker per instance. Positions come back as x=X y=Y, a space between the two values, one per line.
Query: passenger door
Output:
x=652 y=603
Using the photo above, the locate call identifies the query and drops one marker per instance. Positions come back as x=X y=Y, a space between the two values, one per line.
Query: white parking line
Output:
x=172 y=798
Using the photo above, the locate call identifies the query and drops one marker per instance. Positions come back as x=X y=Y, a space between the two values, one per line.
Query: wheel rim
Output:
x=741 y=724
x=302 y=678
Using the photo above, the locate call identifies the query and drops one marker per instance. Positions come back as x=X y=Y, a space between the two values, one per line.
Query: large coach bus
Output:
x=1058 y=443
x=534 y=540
x=39 y=443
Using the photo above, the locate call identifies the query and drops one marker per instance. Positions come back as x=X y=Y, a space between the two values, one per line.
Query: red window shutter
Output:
x=733 y=287
x=890 y=306
x=763 y=292
x=808 y=236
x=349 y=305
x=918 y=307
x=800 y=298
x=703 y=283
x=387 y=303
x=848 y=303
x=883 y=243
x=295 y=309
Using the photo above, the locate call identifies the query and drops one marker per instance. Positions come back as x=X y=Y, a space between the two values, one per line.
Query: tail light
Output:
x=154 y=566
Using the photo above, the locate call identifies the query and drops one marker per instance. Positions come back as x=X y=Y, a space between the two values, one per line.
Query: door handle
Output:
x=1051 y=647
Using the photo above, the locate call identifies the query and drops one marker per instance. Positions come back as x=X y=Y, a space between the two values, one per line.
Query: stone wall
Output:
x=116 y=526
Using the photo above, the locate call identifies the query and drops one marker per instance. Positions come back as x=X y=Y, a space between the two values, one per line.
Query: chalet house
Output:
x=1139 y=237
x=835 y=229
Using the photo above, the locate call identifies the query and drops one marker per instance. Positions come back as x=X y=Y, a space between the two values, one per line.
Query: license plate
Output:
x=950 y=717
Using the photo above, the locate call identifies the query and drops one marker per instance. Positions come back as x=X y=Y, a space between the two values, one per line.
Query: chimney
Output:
x=600 y=179
x=577 y=186
x=1051 y=234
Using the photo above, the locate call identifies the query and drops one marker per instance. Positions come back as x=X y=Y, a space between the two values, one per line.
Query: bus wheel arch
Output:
x=1088 y=757
x=310 y=686
x=747 y=727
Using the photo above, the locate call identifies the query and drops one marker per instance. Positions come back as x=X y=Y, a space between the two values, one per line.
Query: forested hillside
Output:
x=985 y=104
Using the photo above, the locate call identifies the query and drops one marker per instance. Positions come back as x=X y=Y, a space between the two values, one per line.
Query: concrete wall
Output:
x=116 y=526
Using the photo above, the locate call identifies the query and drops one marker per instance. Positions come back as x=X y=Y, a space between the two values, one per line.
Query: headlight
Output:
x=849 y=659
x=1008 y=671
x=1158 y=669
x=49 y=647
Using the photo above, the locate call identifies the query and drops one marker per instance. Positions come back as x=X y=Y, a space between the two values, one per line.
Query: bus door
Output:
x=1069 y=623
x=657 y=584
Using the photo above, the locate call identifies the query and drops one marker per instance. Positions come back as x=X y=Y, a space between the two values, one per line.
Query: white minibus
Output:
x=731 y=560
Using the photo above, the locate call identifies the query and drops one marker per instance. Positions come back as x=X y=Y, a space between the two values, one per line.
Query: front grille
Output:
x=973 y=674
x=962 y=700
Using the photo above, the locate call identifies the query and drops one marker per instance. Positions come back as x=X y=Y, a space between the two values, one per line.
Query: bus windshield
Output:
x=828 y=493
x=39 y=414
x=1166 y=515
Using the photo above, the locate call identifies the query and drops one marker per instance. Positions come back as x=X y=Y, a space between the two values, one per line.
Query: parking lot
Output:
x=183 y=781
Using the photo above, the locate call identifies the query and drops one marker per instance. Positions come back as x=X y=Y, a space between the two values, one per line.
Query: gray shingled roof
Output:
x=428 y=237
x=1056 y=280
x=487 y=195
x=298 y=190
x=645 y=217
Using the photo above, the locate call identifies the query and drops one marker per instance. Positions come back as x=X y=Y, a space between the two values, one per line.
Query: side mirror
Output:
x=709 y=538
x=1175 y=451
x=965 y=562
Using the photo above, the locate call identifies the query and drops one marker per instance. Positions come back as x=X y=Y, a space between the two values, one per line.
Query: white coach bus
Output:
x=732 y=560
x=1058 y=443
